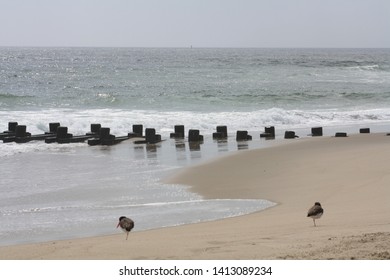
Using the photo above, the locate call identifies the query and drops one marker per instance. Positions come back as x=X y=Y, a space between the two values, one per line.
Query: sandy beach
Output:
x=349 y=176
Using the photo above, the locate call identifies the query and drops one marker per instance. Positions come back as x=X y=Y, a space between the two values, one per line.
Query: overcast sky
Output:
x=200 y=23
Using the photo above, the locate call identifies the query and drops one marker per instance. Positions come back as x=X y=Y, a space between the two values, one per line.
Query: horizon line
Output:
x=183 y=47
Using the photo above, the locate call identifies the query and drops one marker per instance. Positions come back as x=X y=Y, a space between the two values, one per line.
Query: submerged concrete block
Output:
x=18 y=136
x=63 y=137
x=179 y=132
x=269 y=133
x=222 y=132
x=194 y=136
x=218 y=136
x=341 y=134
x=62 y=132
x=10 y=132
x=53 y=127
x=95 y=129
x=364 y=130
x=104 y=133
x=106 y=138
x=21 y=131
x=242 y=135
x=316 y=131
x=151 y=137
x=290 y=135
x=138 y=130
x=11 y=127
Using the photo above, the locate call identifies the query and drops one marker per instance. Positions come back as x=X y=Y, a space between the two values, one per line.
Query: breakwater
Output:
x=99 y=135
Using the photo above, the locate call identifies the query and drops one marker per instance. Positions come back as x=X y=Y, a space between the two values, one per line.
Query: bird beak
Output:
x=117 y=225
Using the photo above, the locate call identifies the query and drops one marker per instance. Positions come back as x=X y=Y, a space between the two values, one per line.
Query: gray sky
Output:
x=201 y=23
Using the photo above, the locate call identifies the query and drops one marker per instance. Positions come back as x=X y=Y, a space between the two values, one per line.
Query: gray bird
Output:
x=315 y=212
x=126 y=225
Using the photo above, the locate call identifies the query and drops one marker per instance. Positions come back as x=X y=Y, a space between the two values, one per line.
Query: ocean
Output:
x=59 y=191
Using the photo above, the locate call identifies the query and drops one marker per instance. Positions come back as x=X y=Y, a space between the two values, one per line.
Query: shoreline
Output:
x=347 y=175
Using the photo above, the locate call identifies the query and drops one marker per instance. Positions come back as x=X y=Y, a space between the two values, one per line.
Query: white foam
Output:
x=368 y=67
x=10 y=149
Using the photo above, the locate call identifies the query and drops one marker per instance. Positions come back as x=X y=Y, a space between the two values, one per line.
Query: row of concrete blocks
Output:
x=97 y=136
x=57 y=133
x=18 y=133
x=242 y=135
x=101 y=135
x=318 y=131
x=220 y=134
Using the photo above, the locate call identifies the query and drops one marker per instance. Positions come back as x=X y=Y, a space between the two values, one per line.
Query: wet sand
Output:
x=349 y=176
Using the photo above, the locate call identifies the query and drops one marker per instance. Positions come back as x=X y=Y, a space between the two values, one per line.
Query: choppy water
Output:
x=60 y=191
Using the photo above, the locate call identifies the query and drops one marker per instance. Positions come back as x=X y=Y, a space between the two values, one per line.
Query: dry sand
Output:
x=349 y=176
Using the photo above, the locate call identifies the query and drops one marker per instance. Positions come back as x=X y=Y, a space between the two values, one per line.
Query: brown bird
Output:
x=126 y=225
x=315 y=212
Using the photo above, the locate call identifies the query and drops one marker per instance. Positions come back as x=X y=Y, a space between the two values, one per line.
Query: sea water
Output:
x=57 y=191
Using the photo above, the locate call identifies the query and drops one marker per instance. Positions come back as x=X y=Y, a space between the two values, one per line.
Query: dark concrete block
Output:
x=179 y=131
x=290 y=135
x=269 y=133
x=193 y=135
x=53 y=127
x=242 y=135
x=341 y=134
x=222 y=129
x=316 y=131
x=138 y=129
x=11 y=127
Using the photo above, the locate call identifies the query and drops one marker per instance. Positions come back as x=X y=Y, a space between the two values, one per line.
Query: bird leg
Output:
x=314 y=221
x=127 y=235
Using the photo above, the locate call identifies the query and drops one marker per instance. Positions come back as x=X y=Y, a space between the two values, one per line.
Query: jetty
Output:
x=99 y=135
